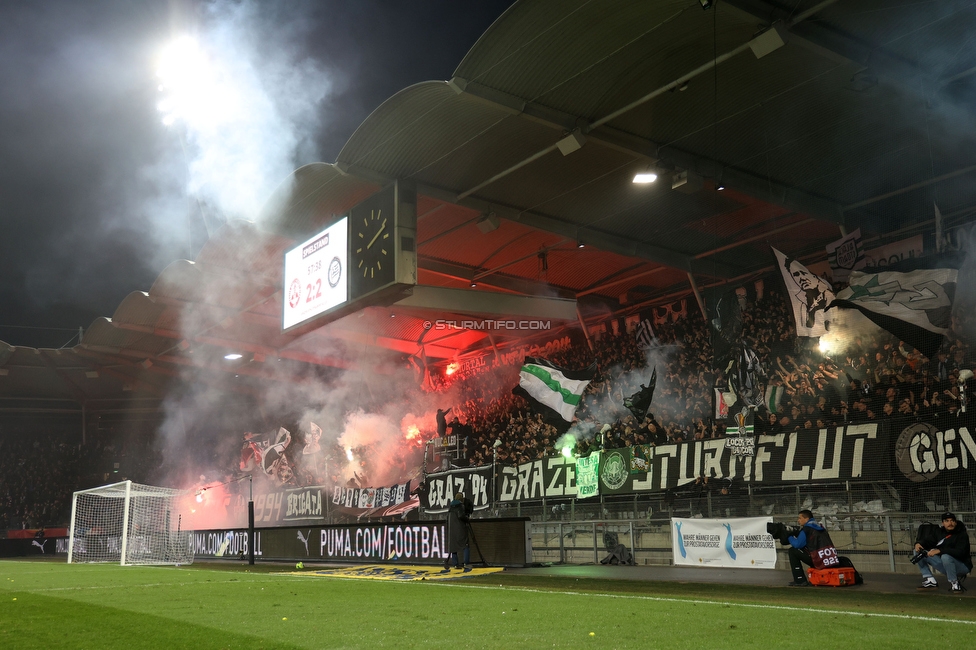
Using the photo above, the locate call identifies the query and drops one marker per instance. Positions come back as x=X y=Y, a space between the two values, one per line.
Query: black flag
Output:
x=640 y=402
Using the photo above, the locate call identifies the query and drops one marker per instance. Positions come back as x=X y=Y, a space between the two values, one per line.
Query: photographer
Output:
x=811 y=546
x=949 y=555
x=457 y=532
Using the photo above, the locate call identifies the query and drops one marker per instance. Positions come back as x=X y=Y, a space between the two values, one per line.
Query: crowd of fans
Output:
x=42 y=463
x=869 y=375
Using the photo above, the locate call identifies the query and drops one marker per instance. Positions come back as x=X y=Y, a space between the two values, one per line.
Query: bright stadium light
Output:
x=196 y=90
x=647 y=177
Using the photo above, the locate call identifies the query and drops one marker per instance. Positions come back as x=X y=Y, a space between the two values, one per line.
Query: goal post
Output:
x=130 y=524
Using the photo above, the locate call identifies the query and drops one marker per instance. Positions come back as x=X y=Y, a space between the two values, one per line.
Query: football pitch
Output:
x=45 y=604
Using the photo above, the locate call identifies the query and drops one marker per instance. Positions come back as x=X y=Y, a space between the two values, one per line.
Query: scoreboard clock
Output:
x=382 y=243
x=366 y=257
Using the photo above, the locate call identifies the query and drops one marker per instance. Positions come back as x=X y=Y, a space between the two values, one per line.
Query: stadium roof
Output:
x=767 y=123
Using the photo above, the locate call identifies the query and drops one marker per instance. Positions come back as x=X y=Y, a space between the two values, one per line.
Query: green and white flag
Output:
x=550 y=389
x=587 y=476
x=774 y=395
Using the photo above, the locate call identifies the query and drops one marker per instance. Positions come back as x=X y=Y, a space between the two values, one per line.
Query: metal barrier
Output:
x=867 y=521
x=874 y=542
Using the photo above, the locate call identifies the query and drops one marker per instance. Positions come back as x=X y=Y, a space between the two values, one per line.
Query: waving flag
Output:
x=640 y=402
x=645 y=333
x=911 y=299
x=550 y=389
x=808 y=293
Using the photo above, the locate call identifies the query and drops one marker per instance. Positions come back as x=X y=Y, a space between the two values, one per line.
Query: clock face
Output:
x=371 y=248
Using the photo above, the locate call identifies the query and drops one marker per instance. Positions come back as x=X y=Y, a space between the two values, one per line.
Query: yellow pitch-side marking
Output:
x=376 y=572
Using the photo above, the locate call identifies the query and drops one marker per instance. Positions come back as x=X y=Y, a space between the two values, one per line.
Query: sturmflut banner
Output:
x=837 y=454
x=729 y=543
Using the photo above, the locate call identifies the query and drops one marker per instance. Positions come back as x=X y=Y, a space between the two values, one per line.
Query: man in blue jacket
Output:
x=811 y=546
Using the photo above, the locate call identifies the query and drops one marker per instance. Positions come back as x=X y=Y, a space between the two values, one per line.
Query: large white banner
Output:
x=735 y=543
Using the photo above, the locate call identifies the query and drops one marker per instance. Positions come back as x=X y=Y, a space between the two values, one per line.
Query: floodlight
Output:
x=645 y=177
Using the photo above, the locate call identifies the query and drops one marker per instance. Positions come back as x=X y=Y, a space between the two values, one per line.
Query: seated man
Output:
x=811 y=546
x=950 y=555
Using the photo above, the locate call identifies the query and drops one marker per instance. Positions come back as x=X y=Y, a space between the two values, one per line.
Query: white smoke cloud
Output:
x=245 y=104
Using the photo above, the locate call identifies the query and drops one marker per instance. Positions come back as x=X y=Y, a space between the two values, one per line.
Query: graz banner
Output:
x=415 y=542
x=475 y=482
x=547 y=477
x=925 y=451
x=837 y=454
x=736 y=543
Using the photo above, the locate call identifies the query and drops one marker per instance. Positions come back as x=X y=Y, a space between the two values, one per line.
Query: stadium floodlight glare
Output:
x=196 y=91
x=130 y=524
x=233 y=356
x=645 y=177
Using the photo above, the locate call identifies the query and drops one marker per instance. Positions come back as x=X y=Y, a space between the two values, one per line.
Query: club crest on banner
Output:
x=614 y=471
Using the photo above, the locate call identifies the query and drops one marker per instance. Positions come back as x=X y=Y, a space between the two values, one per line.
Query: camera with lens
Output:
x=917 y=557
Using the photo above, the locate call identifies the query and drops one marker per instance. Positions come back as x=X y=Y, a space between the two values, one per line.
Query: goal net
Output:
x=129 y=523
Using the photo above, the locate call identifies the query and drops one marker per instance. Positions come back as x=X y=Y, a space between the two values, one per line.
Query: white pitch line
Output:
x=152 y=584
x=906 y=617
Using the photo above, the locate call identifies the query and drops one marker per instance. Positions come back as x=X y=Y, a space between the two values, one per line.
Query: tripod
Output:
x=474 y=539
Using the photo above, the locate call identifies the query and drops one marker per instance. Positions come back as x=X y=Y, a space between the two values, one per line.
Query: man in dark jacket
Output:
x=457 y=534
x=950 y=555
x=811 y=546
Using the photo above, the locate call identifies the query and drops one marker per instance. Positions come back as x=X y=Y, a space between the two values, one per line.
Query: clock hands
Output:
x=377 y=235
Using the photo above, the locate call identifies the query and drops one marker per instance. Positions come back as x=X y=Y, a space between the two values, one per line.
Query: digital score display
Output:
x=316 y=275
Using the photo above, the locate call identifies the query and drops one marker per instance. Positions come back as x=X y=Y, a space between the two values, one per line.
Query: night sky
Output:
x=94 y=198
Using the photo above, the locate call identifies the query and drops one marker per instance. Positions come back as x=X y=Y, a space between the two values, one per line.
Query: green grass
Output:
x=227 y=606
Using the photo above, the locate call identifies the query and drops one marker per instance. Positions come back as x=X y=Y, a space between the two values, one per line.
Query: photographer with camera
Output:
x=810 y=545
x=947 y=552
x=457 y=532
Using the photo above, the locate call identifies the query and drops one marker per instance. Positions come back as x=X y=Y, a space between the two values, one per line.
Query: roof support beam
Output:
x=599 y=131
x=73 y=388
x=610 y=243
x=826 y=40
x=598 y=239
x=607 y=136
x=237 y=345
x=481 y=302
x=497 y=280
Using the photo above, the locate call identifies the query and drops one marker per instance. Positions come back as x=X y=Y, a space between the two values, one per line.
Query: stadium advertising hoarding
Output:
x=728 y=543
x=315 y=277
x=413 y=542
